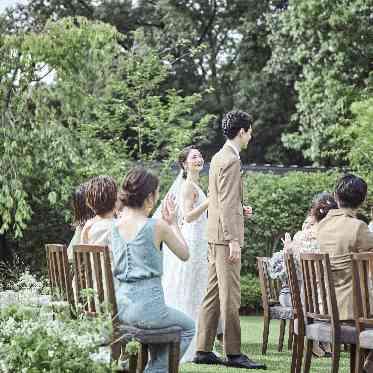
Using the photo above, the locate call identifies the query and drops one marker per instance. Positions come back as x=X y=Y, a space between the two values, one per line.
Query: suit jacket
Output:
x=339 y=234
x=225 y=212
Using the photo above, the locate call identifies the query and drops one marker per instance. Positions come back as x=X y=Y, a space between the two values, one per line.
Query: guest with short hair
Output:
x=341 y=233
x=137 y=262
x=101 y=197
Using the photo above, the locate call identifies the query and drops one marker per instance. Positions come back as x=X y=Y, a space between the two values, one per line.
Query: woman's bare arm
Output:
x=189 y=197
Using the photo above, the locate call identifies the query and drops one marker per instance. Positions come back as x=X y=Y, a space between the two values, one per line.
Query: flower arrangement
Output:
x=276 y=267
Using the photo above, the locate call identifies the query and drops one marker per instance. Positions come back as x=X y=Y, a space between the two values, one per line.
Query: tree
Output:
x=325 y=48
x=56 y=134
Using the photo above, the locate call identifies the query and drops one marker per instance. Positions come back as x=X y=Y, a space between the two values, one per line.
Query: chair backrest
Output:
x=270 y=288
x=296 y=299
x=319 y=292
x=92 y=270
x=362 y=277
x=59 y=272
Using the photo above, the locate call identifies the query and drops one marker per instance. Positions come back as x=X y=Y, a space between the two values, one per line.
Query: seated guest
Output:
x=304 y=241
x=340 y=233
x=82 y=213
x=101 y=197
x=136 y=246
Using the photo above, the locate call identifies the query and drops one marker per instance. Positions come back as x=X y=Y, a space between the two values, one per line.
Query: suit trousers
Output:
x=223 y=298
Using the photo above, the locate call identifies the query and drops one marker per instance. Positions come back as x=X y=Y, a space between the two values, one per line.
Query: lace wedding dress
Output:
x=185 y=283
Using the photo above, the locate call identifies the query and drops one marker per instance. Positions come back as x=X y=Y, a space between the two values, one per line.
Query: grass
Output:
x=277 y=362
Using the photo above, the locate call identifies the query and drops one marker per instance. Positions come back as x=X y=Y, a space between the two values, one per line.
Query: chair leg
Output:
x=300 y=348
x=336 y=349
x=282 y=333
x=116 y=351
x=133 y=363
x=291 y=334
x=361 y=355
x=174 y=357
x=265 y=334
x=308 y=356
x=352 y=358
x=143 y=357
x=294 y=354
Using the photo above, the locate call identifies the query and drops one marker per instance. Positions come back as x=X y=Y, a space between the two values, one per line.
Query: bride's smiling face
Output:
x=194 y=161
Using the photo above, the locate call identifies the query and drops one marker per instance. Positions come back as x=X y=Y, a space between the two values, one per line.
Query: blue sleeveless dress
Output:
x=137 y=271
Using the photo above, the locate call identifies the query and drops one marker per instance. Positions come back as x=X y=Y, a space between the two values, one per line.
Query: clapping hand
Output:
x=287 y=242
x=169 y=210
x=247 y=212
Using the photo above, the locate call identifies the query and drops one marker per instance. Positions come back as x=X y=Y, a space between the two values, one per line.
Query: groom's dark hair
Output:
x=233 y=121
x=351 y=191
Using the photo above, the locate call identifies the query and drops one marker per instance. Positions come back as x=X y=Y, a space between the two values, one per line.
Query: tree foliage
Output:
x=326 y=48
x=100 y=99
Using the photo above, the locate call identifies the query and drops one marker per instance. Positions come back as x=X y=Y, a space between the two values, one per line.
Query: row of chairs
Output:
x=316 y=316
x=91 y=269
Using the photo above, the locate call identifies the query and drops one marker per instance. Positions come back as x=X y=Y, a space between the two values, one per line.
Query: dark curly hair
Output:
x=183 y=155
x=321 y=204
x=138 y=184
x=101 y=194
x=82 y=212
x=233 y=121
x=351 y=191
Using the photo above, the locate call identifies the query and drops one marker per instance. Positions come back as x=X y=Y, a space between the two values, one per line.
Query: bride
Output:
x=185 y=283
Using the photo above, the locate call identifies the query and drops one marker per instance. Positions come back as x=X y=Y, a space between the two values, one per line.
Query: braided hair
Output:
x=233 y=121
x=138 y=184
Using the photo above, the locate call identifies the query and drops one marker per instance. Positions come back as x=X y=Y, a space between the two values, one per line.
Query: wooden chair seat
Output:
x=281 y=313
x=366 y=339
x=149 y=336
x=322 y=332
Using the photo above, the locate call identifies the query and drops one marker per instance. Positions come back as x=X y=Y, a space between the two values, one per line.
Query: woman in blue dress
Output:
x=136 y=245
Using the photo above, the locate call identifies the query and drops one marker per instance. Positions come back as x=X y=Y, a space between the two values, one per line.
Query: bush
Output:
x=251 y=296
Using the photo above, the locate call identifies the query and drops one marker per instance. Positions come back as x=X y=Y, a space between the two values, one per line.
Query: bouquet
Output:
x=276 y=267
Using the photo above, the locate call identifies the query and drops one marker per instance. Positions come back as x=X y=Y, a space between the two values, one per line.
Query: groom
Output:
x=225 y=233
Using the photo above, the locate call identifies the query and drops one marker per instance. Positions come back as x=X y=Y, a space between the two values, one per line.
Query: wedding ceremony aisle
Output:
x=277 y=362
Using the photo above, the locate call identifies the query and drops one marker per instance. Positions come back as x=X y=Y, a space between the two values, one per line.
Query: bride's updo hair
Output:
x=138 y=184
x=321 y=204
x=183 y=155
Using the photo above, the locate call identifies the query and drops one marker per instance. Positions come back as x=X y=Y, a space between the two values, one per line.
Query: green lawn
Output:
x=252 y=327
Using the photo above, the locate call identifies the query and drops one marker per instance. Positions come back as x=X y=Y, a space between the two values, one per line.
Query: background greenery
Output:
x=89 y=87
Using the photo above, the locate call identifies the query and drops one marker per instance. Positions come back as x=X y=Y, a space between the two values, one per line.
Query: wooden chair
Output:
x=362 y=267
x=59 y=273
x=321 y=313
x=93 y=270
x=271 y=306
x=298 y=315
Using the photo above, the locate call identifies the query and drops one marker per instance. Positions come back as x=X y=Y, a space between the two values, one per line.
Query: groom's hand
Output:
x=234 y=252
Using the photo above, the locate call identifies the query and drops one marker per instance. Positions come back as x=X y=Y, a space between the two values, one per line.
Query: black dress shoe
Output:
x=207 y=358
x=242 y=361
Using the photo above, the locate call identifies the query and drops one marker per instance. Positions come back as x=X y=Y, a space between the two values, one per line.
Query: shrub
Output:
x=250 y=294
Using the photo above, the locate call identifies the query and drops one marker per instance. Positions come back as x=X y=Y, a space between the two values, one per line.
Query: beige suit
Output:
x=225 y=223
x=339 y=234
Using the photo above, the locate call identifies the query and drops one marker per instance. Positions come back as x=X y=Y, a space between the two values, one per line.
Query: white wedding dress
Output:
x=185 y=283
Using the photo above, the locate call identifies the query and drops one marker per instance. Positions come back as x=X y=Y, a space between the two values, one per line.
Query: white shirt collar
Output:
x=234 y=147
